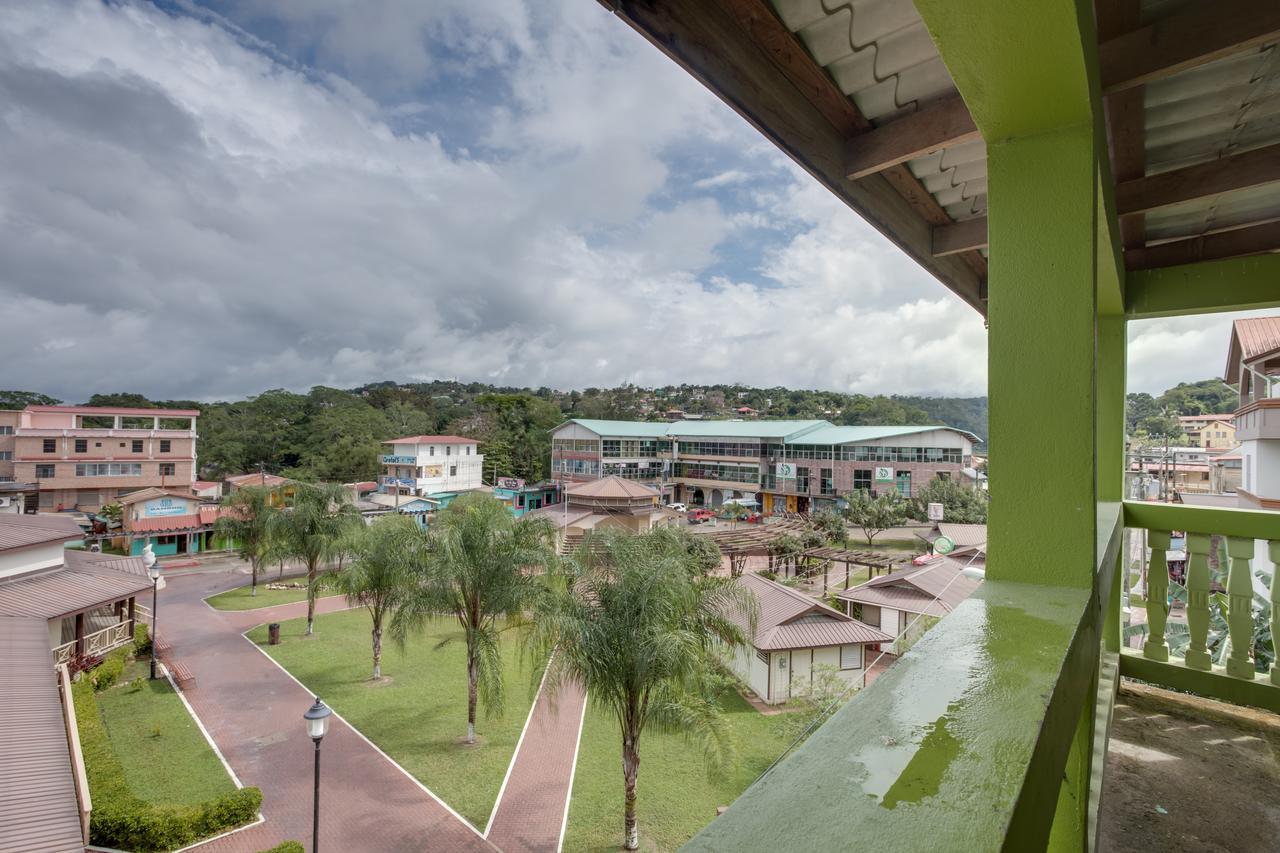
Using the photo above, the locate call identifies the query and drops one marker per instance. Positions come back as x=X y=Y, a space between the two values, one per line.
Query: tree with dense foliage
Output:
x=247 y=519
x=636 y=623
x=379 y=577
x=960 y=504
x=875 y=515
x=22 y=399
x=311 y=529
x=478 y=565
x=831 y=525
x=734 y=511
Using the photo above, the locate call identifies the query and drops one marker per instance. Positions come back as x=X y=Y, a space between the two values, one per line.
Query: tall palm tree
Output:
x=636 y=621
x=246 y=520
x=311 y=528
x=478 y=565
x=379 y=574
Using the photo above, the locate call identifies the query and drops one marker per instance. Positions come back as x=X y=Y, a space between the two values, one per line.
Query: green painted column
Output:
x=1274 y=553
x=1240 y=607
x=1041 y=356
x=1198 y=547
x=1156 y=648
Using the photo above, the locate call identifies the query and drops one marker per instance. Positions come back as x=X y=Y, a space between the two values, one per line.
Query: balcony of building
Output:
x=1130 y=176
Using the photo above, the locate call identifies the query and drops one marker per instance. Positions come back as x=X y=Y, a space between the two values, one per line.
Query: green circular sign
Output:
x=944 y=545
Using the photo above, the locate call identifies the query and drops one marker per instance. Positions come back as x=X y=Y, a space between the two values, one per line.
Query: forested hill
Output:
x=335 y=434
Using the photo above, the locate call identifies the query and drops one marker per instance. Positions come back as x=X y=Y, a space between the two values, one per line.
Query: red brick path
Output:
x=530 y=812
x=253 y=710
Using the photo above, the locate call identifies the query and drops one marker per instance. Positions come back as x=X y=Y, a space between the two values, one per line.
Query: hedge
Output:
x=109 y=671
x=141 y=639
x=286 y=847
x=124 y=821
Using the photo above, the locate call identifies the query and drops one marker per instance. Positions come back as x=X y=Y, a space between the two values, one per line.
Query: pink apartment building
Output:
x=83 y=457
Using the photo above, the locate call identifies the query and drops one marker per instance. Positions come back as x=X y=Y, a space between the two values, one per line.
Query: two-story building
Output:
x=1215 y=433
x=1253 y=367
x=84 y=457
x=785 y=466
x=438 y=466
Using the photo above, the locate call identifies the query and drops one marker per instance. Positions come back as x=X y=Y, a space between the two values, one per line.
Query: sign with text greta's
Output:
x=511 y=483
x=786 y=470
x=161 y=507
x=884 y=474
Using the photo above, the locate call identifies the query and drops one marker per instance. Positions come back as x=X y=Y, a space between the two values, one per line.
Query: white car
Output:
x=677 y=507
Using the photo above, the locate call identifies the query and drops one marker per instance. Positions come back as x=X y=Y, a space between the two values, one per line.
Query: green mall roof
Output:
x=790 y=432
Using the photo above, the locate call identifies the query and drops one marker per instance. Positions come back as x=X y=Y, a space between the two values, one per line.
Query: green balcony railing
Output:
x=1208 y=626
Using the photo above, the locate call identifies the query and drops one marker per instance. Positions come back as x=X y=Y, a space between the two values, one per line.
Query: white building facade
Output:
x=426 y=465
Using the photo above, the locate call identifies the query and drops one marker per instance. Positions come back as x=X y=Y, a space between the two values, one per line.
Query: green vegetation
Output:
x=679 y=795
x=415 y=712
x=316 y=529
x=378 y=579
x=248 y=518
x=155 y=783
x=960 y=504
x=242 y=597
x=478 y=567
x=1157 y=417
x=875 y=515
x=287 y=847
x=636 y=622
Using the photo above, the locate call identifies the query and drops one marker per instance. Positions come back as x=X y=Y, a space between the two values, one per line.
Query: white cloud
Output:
x=1167 y=351
x=173 y=197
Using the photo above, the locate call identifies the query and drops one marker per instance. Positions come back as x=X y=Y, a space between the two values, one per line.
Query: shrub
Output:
x=141 y=639
x=287 y=847
x=109 y=671
x=123 y=820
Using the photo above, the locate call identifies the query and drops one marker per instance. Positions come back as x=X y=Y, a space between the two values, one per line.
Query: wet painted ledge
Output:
x=959 y=746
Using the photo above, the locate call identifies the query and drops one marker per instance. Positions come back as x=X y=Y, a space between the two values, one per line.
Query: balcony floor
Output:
x=1189 y=774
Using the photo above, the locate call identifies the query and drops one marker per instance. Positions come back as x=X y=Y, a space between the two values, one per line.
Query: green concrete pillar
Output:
x=1274 y=553
x=1042 y=350
x=1240 y=607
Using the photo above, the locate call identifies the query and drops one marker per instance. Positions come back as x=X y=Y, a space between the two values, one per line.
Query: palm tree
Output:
x=246 y=520
x=477 y=565
x=378 y=577
x=310 y=530
x=635 y=621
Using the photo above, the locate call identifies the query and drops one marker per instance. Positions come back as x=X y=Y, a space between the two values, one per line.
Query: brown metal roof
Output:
x=38 y=808
x=1251 y=338
x=22 y=531
x=792 y=620
x=935 y=588
x=153 y=492
x=84 y=582
x=611 y=487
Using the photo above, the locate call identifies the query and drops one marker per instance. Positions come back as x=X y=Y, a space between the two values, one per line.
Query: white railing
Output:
x=97 y=643
x=83 y=800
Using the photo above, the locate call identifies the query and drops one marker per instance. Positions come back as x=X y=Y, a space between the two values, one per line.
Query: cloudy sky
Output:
x=208 y=201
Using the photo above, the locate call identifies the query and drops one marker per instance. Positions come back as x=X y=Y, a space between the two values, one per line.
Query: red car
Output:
x=699 y=516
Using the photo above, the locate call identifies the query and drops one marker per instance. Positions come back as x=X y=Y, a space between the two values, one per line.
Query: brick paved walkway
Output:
x=529 y=815
x=253 y=710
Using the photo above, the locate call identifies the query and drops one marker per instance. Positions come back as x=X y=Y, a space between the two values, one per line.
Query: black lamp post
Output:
x=317 y=718
x=153 y=571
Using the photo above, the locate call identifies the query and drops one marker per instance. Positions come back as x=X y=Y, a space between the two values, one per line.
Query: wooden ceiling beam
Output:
x=938 y=125
x=966 y=236
x=1203 y=180
x=1237 y=243
x=1125 y=116
x=1200 y=33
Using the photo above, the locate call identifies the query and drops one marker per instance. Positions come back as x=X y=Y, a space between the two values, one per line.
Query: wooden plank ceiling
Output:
x=1150 y=52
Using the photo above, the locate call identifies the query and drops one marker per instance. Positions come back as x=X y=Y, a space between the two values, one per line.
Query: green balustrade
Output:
x=1275 y=611
x=1198 y=547
x=1156 y=647
x=1240 y=607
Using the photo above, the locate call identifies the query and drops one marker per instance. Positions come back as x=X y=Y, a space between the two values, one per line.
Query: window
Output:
x=826 y=486
x=108 y=469
x=6 y=455
x=82 y=445
x=851 y=657
x=137 y=445
x=871 y=615
x=50 y=445
x=431 y=451
x=764 y=656
x=904 y=483
x=448 y=451
x=97 y=444
x=6 y=430
x=165 y=445
x=453 y=470
x=862 y=479
x=44 y=472
x=168 y=469
x=802 y=479
x=468 y=450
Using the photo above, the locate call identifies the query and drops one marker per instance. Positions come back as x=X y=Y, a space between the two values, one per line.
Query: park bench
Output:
x=185 y=677
x=163 y=648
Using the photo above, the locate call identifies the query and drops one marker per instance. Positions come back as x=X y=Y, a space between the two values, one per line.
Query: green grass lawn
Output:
x=418 y=714
x=240 y=599
x=674 y=795
x=166 y=759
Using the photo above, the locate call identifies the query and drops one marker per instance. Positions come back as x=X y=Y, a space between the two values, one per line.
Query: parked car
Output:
x=677 y=507
x=700 y=516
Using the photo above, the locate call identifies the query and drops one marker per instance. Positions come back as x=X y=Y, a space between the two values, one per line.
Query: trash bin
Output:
x=273 y=634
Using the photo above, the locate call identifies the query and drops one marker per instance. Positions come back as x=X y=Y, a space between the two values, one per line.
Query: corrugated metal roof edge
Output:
x=662 y=428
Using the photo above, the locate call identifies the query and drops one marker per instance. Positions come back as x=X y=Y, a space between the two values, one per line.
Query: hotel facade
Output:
x=84 y=457
x=431 y=466
x=787 y=466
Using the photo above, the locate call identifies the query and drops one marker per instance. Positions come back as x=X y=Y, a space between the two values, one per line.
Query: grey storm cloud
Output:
x=181 y=198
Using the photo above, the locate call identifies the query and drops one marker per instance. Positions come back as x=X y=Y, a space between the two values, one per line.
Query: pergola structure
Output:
x=738 y=543
x=872 y=561
x=1063 y=172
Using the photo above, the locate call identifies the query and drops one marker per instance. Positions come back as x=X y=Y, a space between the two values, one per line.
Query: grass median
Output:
x=417 y=713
